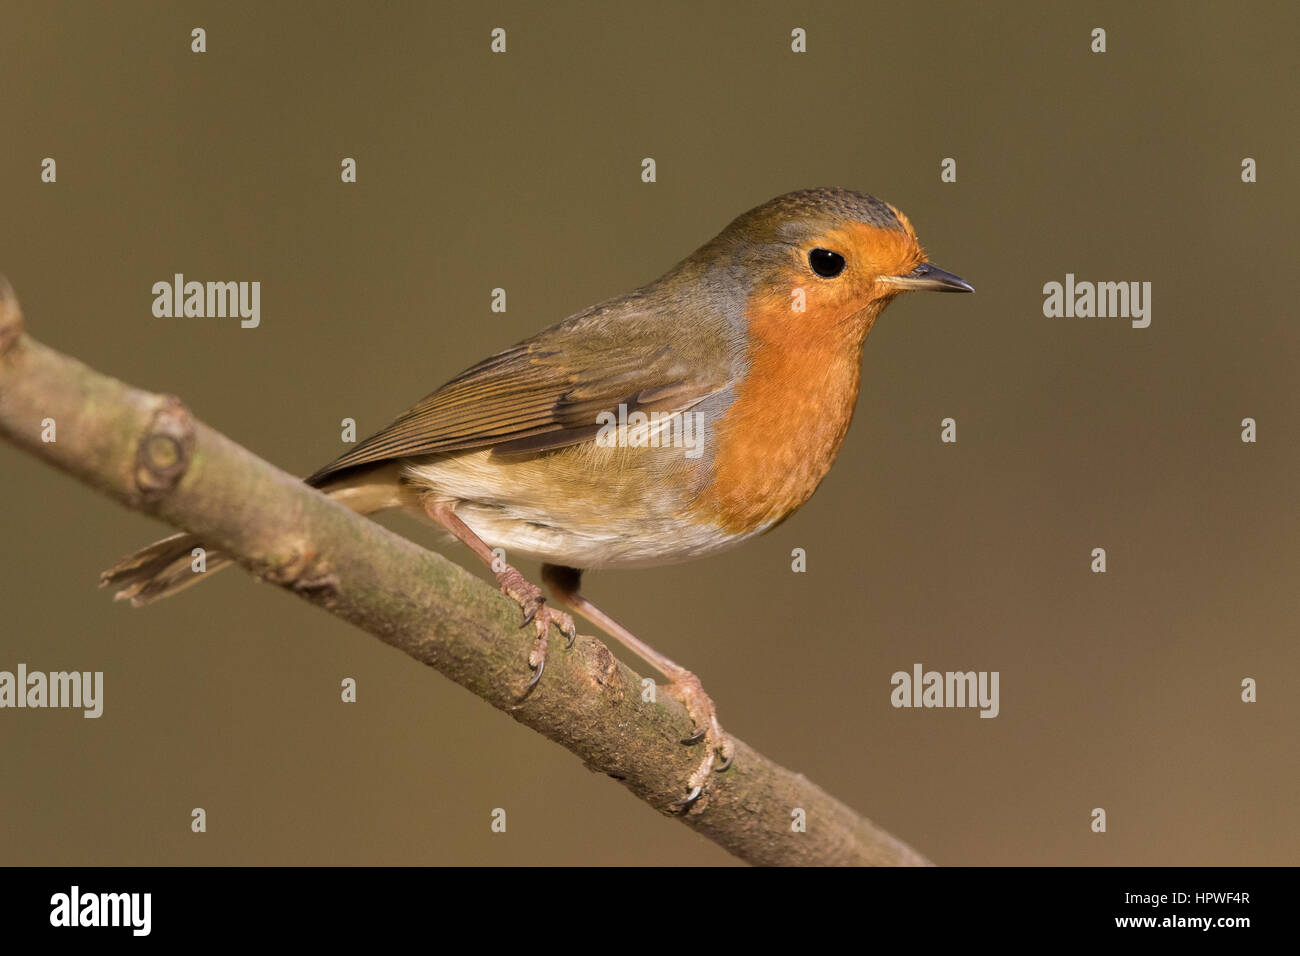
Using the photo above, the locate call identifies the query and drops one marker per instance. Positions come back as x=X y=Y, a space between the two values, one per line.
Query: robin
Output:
x=669 y=423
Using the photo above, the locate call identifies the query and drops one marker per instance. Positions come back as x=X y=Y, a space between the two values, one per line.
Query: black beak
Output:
x=929 y=278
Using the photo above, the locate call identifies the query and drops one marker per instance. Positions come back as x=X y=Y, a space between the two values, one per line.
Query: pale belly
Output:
x=582 y=506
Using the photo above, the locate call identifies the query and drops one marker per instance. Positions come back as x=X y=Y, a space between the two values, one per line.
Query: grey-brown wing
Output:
x=547 y=393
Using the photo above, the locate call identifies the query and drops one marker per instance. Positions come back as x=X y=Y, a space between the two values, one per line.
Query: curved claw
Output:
x=726 y=762
x=696 y=737
x=572 y=634
x=537 y=675
x=691 y=797
x=530 y=613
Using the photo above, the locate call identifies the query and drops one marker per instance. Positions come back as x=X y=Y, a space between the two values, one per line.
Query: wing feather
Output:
x=546 y=393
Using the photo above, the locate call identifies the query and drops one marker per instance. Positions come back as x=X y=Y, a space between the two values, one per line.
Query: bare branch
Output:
x=149 y=453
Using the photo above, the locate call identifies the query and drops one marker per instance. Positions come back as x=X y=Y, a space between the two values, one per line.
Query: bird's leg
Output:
x=564 y=583
x=514 y=585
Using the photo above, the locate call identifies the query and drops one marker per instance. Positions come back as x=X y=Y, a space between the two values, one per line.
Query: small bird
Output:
x=669 y=423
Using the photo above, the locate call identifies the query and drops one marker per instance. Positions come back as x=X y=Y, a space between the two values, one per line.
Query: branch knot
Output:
x=165 y=450
x=304 y=572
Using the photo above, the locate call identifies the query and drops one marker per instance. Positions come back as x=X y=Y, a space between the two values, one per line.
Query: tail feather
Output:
x=166 y=566
x=161 y=569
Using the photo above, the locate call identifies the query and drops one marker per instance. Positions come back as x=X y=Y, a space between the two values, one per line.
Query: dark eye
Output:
x=825 y=263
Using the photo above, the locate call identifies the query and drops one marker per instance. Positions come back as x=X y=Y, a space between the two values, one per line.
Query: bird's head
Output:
x=826 y=261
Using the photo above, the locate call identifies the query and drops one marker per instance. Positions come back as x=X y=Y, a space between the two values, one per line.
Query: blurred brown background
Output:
x=522 y=171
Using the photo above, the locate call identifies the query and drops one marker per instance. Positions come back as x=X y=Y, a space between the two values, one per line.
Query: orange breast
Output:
x=779 y=437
